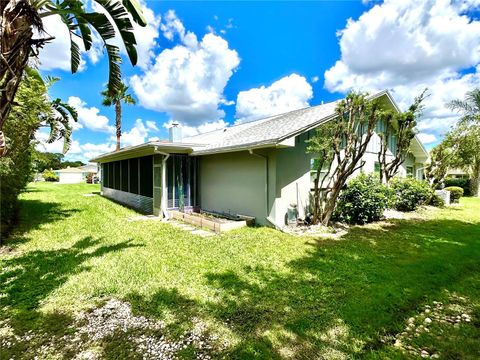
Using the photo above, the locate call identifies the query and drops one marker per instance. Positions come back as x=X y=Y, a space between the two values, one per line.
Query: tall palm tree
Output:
x=469 y=107
x=21 y=19
x=116 y=98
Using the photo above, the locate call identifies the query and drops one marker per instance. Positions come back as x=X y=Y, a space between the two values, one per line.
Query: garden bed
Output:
x=212 y=221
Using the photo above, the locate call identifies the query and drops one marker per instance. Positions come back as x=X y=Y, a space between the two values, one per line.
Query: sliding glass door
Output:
x=182 y=189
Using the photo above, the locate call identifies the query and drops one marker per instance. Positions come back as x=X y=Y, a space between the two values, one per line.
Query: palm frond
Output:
x=460 y=105
x=133 y=7
x=114 y=73
x=101 y=24
x=120 y=16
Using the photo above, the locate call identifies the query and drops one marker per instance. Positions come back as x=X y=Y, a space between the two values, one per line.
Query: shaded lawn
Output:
x=270 y=295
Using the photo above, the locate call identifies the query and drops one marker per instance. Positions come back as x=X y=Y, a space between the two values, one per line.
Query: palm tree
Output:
x=116 y=98
x=469 y=107
x=21 y=19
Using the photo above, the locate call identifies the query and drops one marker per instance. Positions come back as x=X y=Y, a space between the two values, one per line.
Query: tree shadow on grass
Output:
x=341 y=298
x=32 y=215
x=26 y=280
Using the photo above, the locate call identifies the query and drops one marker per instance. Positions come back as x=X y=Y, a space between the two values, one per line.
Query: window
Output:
x=393 y=144
x=409 y=171
x=376 y=169
x=314 y=163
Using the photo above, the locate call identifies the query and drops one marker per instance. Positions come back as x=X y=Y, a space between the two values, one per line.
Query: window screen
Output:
x=133 y=175
x=124 y=175
x=110 y=175
x=104 y=174
x=146 y=176
x=116 y=175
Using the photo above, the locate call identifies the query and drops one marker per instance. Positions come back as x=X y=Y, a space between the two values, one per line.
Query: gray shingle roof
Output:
x=264 y=131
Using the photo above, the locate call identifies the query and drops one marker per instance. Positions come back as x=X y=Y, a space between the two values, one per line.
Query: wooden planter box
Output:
x=211 y=224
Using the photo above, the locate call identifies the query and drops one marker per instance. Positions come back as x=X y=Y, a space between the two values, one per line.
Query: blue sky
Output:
x=211 y=64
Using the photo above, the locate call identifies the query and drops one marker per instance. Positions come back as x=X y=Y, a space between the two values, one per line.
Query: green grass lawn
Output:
x=265 y=294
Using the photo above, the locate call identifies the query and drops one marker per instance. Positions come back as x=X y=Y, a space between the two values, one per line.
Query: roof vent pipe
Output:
x=175 y=133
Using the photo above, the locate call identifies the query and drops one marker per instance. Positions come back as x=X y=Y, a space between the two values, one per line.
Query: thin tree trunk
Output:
x=330 y=206
x=118 y=122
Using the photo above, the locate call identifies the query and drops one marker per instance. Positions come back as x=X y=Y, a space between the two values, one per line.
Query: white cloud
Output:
x=56 y=53
x=406 y=47
x=289 y=93
x=90 y=117
x=146 y=36
x=315 y=79
x=427 y=138
x=188 y=131
x=137 y=134
x=77 y=151
x=152 y=125
x=187 y=81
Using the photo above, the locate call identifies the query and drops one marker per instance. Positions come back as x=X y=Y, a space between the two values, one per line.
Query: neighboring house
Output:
x=257 y=168
x=89 y=168
x=75 y=175
x=457 y=174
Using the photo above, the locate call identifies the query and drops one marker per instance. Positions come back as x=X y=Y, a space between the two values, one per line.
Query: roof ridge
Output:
x=264 y=118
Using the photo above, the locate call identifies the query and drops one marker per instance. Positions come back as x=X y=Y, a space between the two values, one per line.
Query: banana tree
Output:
x=22 y=19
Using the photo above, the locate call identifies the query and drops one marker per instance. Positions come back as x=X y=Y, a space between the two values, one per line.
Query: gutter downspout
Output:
x=267 y=208
x=164 y=181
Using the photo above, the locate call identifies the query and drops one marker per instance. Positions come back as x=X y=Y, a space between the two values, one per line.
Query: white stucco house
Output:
x=256 y=168
x=74 y=175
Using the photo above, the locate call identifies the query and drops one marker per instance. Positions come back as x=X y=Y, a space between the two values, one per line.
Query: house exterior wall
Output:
x=234 y=183
x=71 y=178
x=142 y=203
x=292 y=185
x=293 y=179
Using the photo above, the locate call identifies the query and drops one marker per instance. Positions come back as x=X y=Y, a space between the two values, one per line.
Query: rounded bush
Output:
x=410 y=193
x=363 y=200
x=463 y=183
x=437 y=201
x=50 y=176
x=455 y=193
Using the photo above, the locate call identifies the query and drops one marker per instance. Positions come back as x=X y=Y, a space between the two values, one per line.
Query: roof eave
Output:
x=144 y=150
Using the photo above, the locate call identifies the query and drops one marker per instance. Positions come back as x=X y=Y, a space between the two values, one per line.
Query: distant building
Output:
x=457 y=174
x=75 y=175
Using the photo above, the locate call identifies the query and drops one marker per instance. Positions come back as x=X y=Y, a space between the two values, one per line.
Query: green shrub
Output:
x=455 y=193
x=436 y=201
x=363 y=200
x=410 y=193
x=463 y=183
x=49 y=175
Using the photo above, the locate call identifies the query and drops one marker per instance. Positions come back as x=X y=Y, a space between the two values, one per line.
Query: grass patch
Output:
x=263 y=293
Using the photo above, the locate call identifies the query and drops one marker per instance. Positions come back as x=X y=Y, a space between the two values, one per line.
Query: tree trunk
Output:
x=475 y=181
x=330 y=205
x=17 y=21
x=118 y=122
